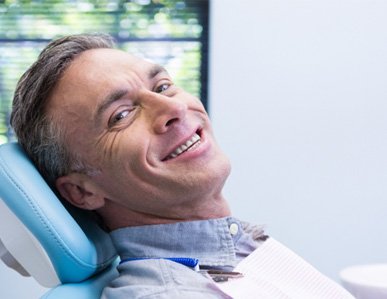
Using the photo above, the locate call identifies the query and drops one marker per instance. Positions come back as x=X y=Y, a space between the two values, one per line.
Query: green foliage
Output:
x=141 y=18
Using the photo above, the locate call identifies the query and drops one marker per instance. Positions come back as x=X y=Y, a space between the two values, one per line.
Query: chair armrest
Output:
x=89 y=289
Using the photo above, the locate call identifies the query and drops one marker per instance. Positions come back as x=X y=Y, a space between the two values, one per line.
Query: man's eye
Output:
x=162 y=87
x=119 y=116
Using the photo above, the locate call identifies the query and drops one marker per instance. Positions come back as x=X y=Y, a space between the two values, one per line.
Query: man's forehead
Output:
x=105 y=56
x=110 y=62
x=98 y=73
x=88 y=71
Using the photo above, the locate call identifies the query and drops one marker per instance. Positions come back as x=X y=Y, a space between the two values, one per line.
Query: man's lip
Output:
x=168 y=156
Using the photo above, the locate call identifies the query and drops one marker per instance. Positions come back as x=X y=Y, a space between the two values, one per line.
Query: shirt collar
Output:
x=211 y=241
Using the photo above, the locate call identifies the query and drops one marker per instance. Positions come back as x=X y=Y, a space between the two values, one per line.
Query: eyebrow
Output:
x=118 y=94
x=156 y=70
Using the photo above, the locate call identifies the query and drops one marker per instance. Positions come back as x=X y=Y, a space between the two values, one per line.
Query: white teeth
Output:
x=184 y=147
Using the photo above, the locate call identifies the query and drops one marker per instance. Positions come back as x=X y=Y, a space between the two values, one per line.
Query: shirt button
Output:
x=234 y=229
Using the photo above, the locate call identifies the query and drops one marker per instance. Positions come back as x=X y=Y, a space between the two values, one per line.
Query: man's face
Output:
x=150 y=141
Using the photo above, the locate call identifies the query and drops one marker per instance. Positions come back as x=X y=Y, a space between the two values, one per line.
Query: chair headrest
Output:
x=36 y=228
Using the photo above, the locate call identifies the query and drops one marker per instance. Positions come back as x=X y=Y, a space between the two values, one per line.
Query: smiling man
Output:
x=149 y=143
x=113 y=134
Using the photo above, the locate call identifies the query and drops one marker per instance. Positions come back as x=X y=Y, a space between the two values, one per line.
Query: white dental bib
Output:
x=273 y=271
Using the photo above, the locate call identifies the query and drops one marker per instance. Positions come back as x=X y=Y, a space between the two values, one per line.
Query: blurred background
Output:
x=296 y=91
x=173 y=33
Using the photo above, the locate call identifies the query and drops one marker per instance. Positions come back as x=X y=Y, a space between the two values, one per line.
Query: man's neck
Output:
x=116 y=216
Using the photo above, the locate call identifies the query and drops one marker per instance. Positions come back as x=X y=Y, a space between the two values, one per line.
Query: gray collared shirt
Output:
x=217 y=243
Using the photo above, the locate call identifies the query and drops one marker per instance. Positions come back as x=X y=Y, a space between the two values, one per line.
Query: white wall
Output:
x=298 y=100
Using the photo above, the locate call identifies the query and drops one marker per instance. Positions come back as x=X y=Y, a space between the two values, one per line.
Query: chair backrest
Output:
x=41 y=237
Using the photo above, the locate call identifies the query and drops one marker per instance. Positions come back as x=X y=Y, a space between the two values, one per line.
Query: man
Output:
x=113 y=134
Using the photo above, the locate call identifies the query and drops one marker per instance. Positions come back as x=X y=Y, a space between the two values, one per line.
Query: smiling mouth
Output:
x=189 y=145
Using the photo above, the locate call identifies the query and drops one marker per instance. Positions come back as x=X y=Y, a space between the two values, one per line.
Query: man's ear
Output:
x=80 y=191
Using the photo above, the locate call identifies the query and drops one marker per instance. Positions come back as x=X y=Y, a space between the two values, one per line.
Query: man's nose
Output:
x=165 y=112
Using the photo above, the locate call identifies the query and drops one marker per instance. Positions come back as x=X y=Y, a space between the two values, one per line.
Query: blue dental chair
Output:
x=62 y=248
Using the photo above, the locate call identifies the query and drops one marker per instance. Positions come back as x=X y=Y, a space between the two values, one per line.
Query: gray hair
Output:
x=38 y=133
